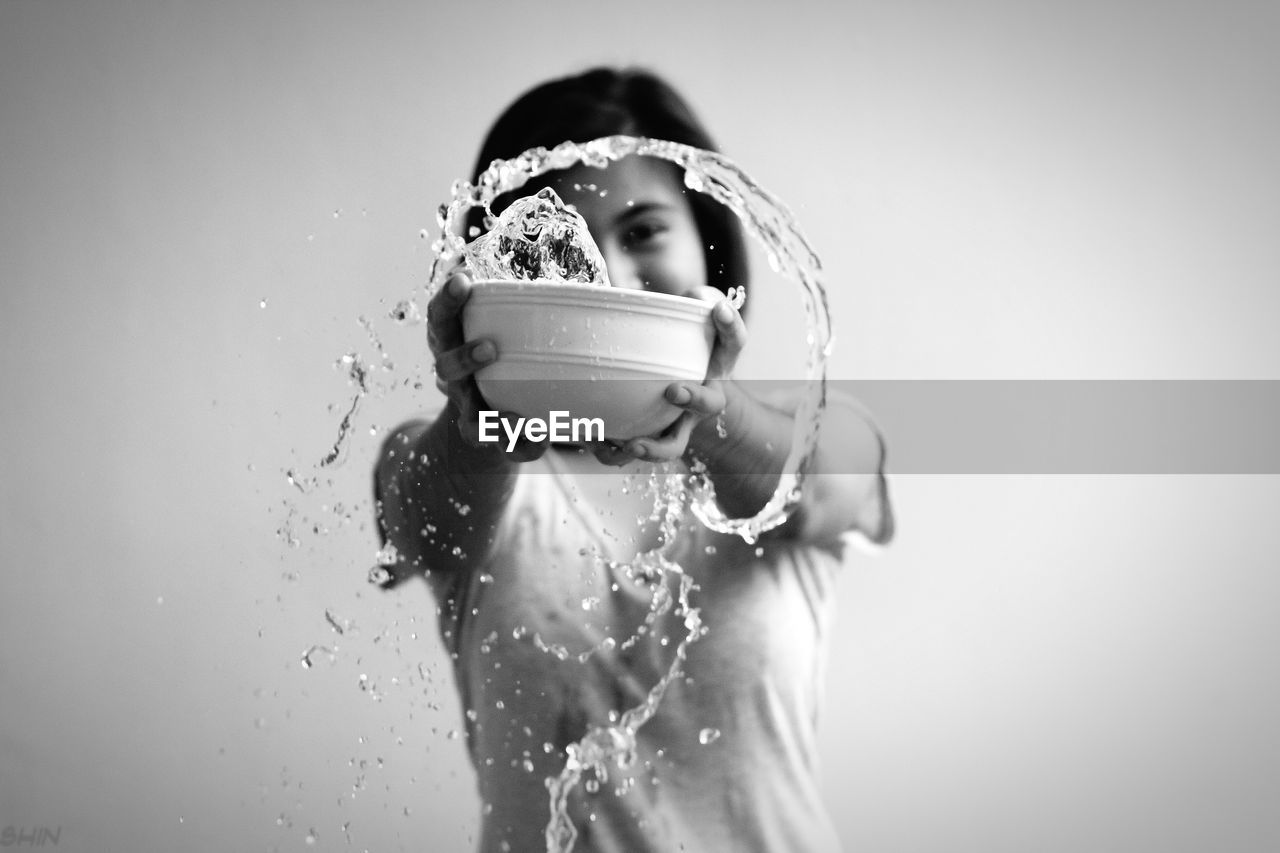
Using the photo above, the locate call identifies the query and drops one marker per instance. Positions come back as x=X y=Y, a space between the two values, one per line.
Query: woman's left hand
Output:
x=698 y=401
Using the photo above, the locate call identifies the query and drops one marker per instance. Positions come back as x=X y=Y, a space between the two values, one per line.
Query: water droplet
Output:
x=707 y=736
x=406 y=311
x=339 y=627
x=308 y=660
x=262 y=303
x=387 y=555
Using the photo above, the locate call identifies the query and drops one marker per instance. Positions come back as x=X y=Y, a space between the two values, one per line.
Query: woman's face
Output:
x=640 y=218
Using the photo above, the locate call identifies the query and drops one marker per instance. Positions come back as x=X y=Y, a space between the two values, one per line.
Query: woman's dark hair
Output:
x=603 y=102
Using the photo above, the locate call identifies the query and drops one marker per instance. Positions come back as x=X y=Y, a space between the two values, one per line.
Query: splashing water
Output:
x=538 y=238
x=737 y=297
x=308 y=657
x=615 y=744
x=358 y=375
x=788 y=253
x=764 y=216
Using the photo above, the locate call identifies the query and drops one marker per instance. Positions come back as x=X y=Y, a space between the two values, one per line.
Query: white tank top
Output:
x=752 y=685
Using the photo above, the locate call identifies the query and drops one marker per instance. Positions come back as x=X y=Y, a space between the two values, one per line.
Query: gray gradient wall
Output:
x=198 y=201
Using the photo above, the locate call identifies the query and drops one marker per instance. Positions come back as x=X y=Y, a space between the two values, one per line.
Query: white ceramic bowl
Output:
x=594 y=352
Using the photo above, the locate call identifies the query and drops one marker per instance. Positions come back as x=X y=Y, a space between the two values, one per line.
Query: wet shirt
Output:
x=555 y=635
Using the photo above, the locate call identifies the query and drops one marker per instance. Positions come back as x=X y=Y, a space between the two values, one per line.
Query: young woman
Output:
x=527 y=551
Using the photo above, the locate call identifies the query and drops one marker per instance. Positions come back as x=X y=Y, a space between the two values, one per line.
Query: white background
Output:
x=1003 y=190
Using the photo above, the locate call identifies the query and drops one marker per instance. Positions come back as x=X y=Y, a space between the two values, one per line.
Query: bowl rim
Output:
x=586 y=294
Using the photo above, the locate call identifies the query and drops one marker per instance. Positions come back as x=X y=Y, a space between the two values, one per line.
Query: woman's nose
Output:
x=623 y=271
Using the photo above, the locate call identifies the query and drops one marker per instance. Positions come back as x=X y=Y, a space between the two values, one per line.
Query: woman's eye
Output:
x=640 y=234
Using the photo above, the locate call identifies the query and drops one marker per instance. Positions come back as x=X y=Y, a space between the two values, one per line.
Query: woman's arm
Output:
x=439 y=498
x=440 y=491
x=844 y=487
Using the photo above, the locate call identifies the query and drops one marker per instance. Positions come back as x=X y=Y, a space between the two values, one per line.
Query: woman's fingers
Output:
x=731 y=334
x=698 y=402
x=444 y=314
x=731 y=337
x=460 y=362
x=701 y=400
x=665 y=447
x=611 y=453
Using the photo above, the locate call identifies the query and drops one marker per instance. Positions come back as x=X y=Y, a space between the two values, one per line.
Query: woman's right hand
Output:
x=456 y=363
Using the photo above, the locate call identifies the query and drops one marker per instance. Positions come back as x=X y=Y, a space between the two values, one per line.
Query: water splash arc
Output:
x=765 y=217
